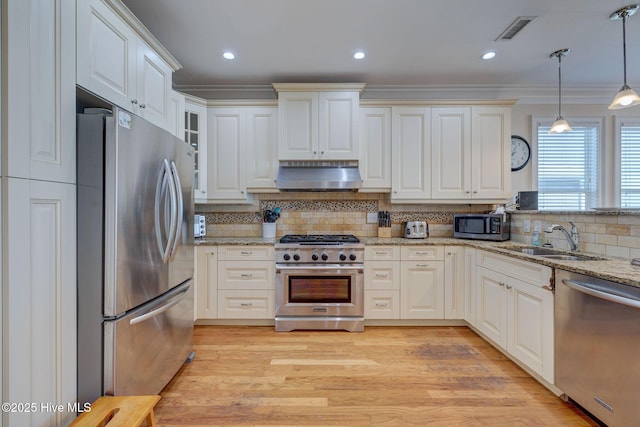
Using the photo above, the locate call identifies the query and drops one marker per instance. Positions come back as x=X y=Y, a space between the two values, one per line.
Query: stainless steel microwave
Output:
x=482 y=226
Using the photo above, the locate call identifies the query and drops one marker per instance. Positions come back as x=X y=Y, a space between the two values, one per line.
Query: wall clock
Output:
x=520 y=152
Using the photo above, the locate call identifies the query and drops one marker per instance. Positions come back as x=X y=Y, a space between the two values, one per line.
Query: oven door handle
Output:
x=319 y=267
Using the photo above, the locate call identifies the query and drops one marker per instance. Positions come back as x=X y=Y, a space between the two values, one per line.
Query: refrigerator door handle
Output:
x=173 y=300
x=180 y=209
x=165 y=175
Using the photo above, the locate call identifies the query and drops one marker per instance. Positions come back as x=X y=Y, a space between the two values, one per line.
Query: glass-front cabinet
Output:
x=195 y=133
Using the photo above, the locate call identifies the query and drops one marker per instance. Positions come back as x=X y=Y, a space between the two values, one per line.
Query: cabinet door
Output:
x=491 y=306
x=375 y=149
x=470 y=285
x=411 y=154
x=175 y=115
x=226 y=154
x=297 y=125
x=106 y=54
x=454 y=282
x=491 y=152
x=206 y=282
x=451 y=151
x=153 y=86
x=422 y=288
x=262 y=148
x=338 y=125
x=530 y=314
x=195 y=133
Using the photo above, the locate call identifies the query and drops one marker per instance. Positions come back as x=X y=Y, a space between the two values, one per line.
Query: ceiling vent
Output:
x=515 y=27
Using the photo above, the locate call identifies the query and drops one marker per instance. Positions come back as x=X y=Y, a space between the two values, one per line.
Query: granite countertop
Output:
x=615 y=269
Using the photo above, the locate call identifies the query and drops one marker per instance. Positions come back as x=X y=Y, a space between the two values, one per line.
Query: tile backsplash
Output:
x=330 y=212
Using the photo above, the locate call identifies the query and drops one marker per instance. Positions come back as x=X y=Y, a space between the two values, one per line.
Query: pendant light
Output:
x=560 y=125
x=626 y=97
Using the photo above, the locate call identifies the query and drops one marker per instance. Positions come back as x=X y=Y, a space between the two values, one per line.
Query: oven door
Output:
x=319 y=290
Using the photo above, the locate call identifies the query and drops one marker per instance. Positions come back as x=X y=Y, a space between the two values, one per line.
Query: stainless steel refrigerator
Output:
x=135 y=254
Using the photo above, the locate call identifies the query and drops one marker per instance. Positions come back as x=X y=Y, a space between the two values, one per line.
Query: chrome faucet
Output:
x=573 y=238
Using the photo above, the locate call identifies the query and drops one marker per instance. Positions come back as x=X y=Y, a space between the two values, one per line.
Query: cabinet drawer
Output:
x=246 y=275
x=381 y=304
x=244 y=304
x=381 y=253
x=241 y=253
x=382 y=275
x=529 y=272
x=417 y=253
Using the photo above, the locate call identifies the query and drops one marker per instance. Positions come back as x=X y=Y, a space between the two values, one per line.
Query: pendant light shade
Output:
x=560 y=125
x=626 y=97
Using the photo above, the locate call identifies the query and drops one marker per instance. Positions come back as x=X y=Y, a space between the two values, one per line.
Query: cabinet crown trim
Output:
x=318 y=87
x=125 y=13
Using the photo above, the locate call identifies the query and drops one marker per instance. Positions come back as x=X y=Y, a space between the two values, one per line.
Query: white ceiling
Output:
x=411 y=43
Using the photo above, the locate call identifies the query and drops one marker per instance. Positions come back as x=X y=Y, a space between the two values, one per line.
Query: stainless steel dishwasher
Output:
x=597 y=346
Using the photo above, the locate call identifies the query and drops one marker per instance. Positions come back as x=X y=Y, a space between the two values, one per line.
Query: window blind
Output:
x=630 y=166
x=568 y=167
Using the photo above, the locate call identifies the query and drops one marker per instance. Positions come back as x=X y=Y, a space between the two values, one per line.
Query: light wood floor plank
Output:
x=405 y=376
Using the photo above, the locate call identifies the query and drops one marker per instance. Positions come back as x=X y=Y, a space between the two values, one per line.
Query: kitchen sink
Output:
x=552 y=253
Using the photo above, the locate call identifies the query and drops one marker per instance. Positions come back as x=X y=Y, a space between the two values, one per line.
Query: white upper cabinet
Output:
x=195 y=134
x=375 y=149
x=114 y=62
x=411 y=154
x=451 y=153
x=318 y=123
x=226 y=151
x=491 y=152
x=175 y=117
x=262 y=148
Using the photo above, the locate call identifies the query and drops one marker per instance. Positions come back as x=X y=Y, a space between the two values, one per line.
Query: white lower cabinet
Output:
x=454 y=282
x=382 y=282
x=206 y=301
x=246 y=282
x=422 y=278
x=470 y=285
x=516 y=313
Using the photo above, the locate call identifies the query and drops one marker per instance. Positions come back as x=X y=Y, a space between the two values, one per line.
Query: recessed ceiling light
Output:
x=359 y=55
x=229 y=55
x=489 y=54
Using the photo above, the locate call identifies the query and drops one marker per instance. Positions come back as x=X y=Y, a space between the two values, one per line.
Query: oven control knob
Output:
x=352 y=257
x=314 y=257
x=324 y=257
x=286 y=257
x=296 y=257
x=343 y=257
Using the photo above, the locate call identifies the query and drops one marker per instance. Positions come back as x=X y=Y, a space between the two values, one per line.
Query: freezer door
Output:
x=145 y=349
x=148 y=212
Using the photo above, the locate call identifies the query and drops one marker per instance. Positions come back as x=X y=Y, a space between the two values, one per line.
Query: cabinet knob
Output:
x=448 y=253
x=467 y=192
x=134 y=101
x=382 y=304
x=143 y=105
x=501 y=283
x=475 y=192
x=509 y=286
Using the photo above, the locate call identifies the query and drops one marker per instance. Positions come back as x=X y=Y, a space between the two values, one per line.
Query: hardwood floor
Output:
x=385 y=376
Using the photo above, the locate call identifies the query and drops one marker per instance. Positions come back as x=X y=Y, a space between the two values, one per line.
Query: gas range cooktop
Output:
x=319 y=238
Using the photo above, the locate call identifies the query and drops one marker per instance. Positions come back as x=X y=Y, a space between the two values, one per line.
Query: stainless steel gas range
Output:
x=319 y=282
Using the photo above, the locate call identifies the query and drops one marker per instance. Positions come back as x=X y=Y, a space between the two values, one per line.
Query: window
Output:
x=629 y=175
x=568 y=166
x=191 y=137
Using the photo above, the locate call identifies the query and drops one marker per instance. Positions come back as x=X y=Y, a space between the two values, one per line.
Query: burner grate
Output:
x=319 y=238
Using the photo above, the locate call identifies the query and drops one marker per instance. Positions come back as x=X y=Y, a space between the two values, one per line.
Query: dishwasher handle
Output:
x=588 y=289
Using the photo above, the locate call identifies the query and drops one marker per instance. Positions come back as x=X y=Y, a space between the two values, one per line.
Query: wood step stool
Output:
x=119 y=411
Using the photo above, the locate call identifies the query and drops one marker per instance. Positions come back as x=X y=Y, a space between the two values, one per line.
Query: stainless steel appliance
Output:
x=135 y=254
x=319 y=283
x=318 y=175
x=597 y=351
x=482 y=226
x=416 y=230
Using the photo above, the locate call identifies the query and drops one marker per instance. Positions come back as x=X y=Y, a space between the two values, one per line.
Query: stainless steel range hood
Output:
x=318 y=176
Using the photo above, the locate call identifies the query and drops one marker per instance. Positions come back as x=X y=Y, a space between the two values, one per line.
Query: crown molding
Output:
x=431 y=94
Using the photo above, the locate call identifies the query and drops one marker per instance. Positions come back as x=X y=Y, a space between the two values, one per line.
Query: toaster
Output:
x=416 y=230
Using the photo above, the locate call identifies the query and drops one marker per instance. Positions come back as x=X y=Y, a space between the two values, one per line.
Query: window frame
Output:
x=618 y=122
x=576 y=121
